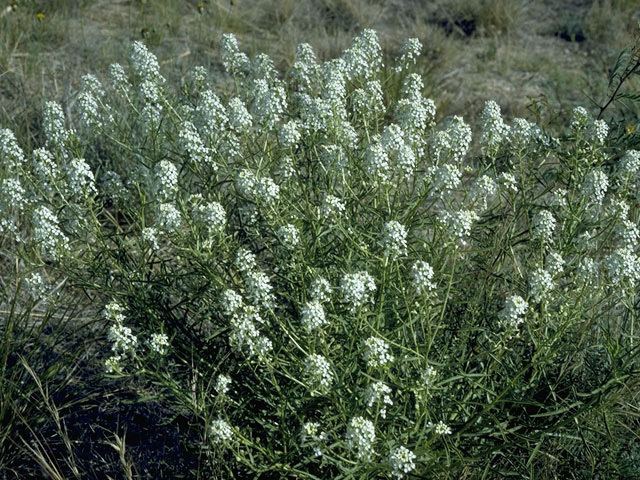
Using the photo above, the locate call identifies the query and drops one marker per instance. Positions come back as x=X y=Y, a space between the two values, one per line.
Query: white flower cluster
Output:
x=440 y=428
x=543 y=226
x=361 y=436
x=165 y=180
x=313 y=436
x=10 y=152
x=289 y=236
x=368 y=100
x=377 y=352
x=144 y=63
x=313 y=316
x=118 y=77
x=402 y=461
x=332 y=207
x=223 y=383
x=379 y=394
x=623 y=264
x=53 y=124
x=50 y=239
x=409 y=52
x=211 y=117
x=123 y=341
x=37 y=287
x=357 y=289
x=159 y=343
x=245 y=335
x=595 y=186
x=80 y=179
x=394 y=239
x=541 y=283
x=459 y=223
x=318 y=373
x=212 y=215
x=422 y=276
x=320 y=290
x=193 y=145
x=494 y=131
x=257 y=189
x=453 y=142
x=364 y=58
x=305 y=69
x=169 y=218
x=514 y=310
x=231 y=302
x=221 y=431
x=240 y=120
x=150 y=237
x=508 y=182
x=483 y=190
x=447 y=177
x=235 y=62
x=523 y=133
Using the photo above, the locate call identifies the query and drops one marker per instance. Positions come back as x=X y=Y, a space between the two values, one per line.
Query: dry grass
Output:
x=508 y=50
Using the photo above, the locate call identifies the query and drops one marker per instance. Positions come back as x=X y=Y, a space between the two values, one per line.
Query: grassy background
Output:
x=544 y=52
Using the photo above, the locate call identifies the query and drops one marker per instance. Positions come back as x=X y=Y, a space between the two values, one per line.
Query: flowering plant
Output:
x=329 y=281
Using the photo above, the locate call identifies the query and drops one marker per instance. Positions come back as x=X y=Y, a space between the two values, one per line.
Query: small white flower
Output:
x=361 y=435
x=222 y=384
x=221 y=431
x=402 y=461
x=422 y=276
x=623 y=264
x=508 y=182
x=259 y=289
x=409 y=52
x=394 y=239
x=245 y=261
x=543 y=226
x=494 y=130
x=313 y=316
x=320 y=290
x=331 y=207
x=541 y=283
x=314 y=437
x=122 y=340
x=169 y=218
x=166 y=179
x=379 y=394
x=377 y=352
x=289 y=135
x=159 y=343
x=514 y=309
x=289 y=236
x=318 y=373
x=357 y=289
x=231 y=302
x=48 y=235
x=440 y=428
x=595 y=186
x=150 y=236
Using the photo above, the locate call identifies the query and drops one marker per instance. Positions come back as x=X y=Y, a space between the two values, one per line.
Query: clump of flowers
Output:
x=394 y=239
x=361 y=436
x=357 y=289
x=514 y=310
x=402 y=461
x=377 y=352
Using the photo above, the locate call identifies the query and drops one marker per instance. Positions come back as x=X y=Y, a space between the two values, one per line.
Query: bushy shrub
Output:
x=330 y=283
